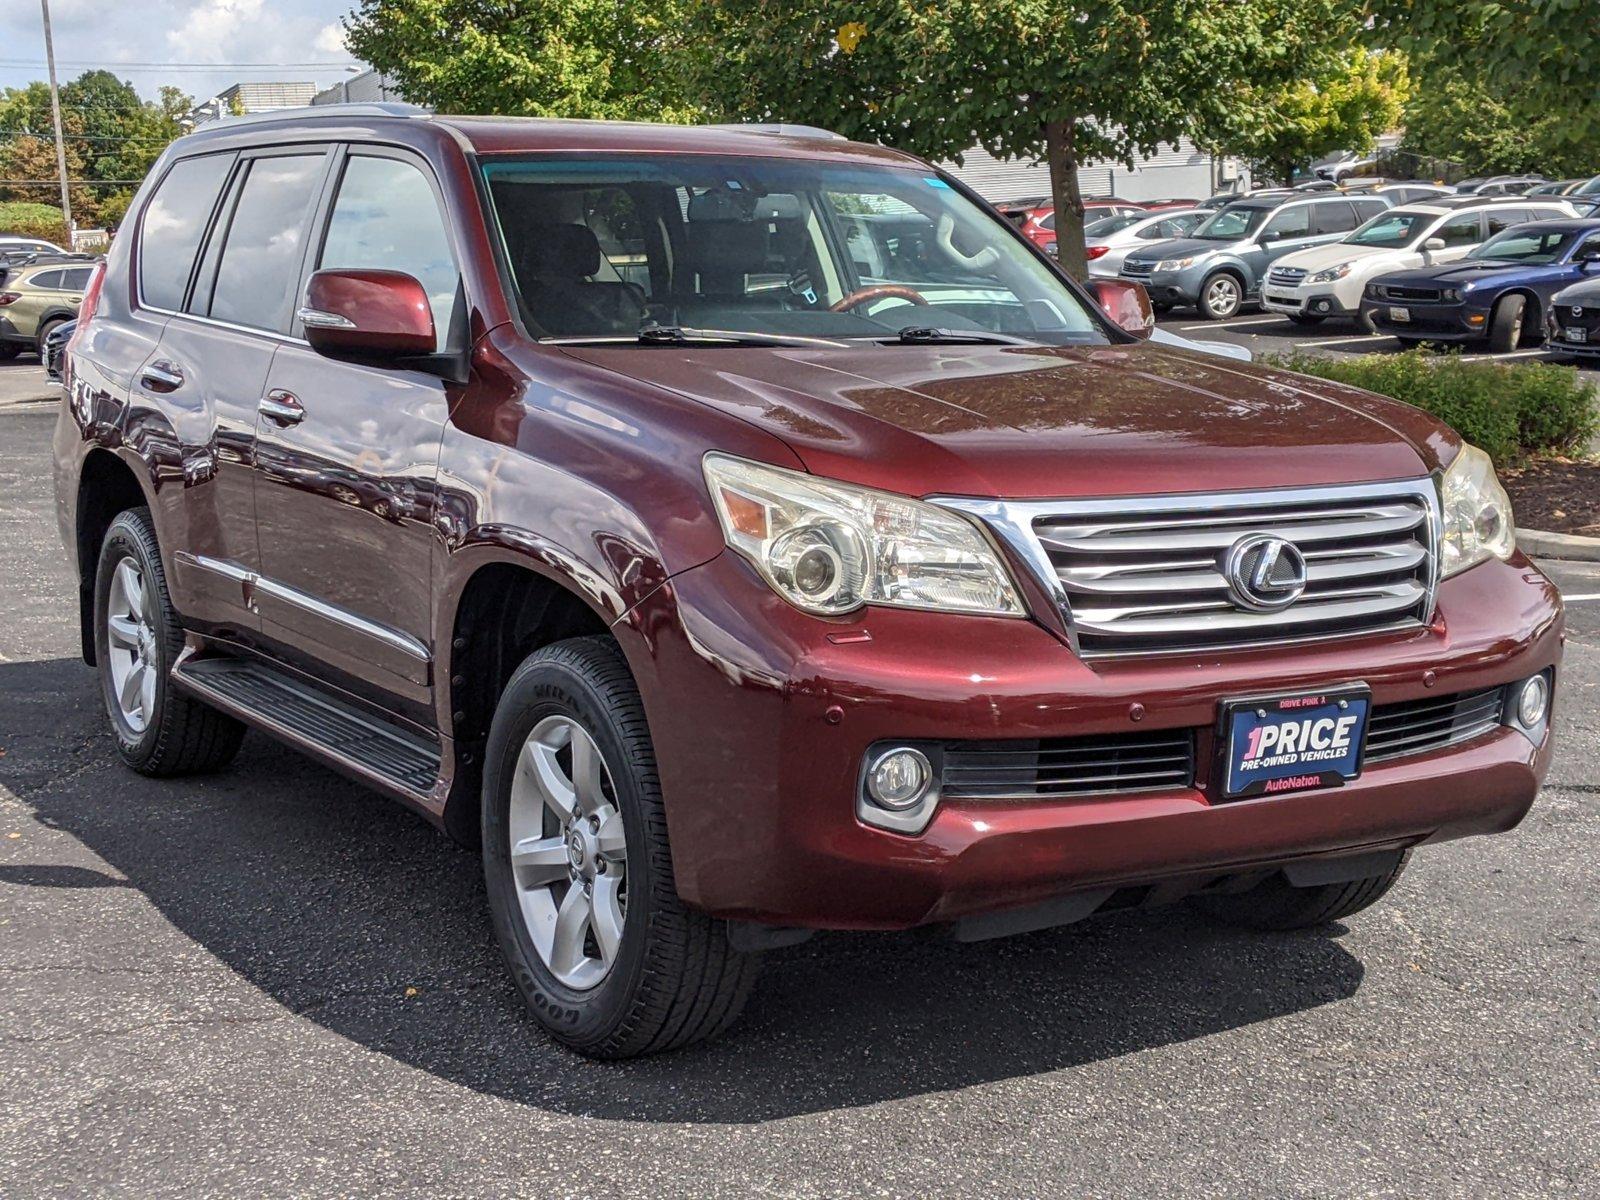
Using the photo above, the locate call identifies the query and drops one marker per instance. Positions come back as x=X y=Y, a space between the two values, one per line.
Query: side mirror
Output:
x=368 y=314
x=1433 y=244
x=1127 y=304
x=1588 y=256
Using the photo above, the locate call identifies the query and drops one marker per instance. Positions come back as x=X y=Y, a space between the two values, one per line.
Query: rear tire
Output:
x=1275 y=904
x=1505 y=326
x=595 y=842
x=137 y=637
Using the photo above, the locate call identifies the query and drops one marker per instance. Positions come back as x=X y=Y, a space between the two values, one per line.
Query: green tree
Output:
x=1456 y=120
x=1022 y=78
x=1347 y=108
x=545 y=58
x=1535 y=56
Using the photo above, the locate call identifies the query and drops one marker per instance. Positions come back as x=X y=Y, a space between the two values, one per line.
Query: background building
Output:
x=364 y=88
x=1177 y=171
x=244 y=98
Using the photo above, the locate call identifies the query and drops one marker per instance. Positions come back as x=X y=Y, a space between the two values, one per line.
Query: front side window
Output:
x=1529 y=244
x=173 y=223
x=387 y=217
x=604 y=247
x=265 y=244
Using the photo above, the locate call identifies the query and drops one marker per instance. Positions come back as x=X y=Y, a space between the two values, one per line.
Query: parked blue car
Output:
x=1499 y=293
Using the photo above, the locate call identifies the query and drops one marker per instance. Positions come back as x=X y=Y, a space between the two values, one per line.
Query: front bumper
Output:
x=762 y=715
x=1170 y=287
x=1432 y=322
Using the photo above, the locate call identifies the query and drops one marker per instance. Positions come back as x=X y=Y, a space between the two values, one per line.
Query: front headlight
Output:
x=830 y=548
x=1477 y=514
x=1450 y=295
x=1331 y=273
x=1178 y=264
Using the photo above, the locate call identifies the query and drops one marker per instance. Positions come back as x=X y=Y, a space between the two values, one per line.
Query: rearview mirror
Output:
x=1433 y=244
x=1127 y=304
x=368 y=314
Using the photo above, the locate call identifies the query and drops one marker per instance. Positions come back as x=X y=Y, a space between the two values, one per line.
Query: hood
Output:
x=1179 y=248
x=1587 y=293
x=1317 y=257
x=1466 y=273
x=1042 y=422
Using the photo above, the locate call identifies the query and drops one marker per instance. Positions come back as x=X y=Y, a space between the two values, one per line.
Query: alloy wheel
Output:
x=1222 y=296
x=132 y=650
x=568 y=852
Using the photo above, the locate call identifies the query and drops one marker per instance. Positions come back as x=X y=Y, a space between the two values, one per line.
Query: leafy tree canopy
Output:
x=1105 y=80
x=1454 y=119
x=1358 y=99
x=1536 y=56
x=544 y=58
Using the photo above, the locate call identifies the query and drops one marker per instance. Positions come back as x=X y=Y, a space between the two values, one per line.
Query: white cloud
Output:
x=330 y=39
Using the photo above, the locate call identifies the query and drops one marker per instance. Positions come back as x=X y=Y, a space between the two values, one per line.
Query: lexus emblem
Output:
x=1264 y=573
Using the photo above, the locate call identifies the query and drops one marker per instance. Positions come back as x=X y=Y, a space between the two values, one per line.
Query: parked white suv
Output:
x=1312 y=285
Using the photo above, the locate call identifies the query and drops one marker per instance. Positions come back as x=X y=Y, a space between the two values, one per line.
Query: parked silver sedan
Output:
x=1109 y=239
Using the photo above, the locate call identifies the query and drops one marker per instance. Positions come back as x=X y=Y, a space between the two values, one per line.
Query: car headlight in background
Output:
x=1178 y=264
x=1477 y=514
x=829 y=547
x=1329 y=274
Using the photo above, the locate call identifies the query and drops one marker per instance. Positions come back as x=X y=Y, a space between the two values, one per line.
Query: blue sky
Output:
x=212 y=33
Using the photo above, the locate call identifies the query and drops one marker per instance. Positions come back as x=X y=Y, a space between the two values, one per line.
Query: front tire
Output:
x=579 y=872
x=137 y=637
x=1276 y=905
x=1221 y=296
x=44 y=332
x=1505 y=327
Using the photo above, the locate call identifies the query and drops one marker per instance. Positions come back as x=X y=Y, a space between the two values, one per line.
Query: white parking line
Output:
x=1584 y=596
x=1231 y=324
x=1377 y=343
x=1513 y=354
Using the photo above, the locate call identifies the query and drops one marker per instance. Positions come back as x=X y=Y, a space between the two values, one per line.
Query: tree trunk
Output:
x=1063 y=160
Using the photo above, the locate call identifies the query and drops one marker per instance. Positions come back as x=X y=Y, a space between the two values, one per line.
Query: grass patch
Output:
x=1514 y=412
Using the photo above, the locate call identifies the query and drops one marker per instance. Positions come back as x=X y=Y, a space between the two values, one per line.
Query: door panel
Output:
x=345 y=514
x=207 y=380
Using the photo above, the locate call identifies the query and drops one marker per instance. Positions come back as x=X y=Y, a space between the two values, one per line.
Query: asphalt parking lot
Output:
x=271 y=982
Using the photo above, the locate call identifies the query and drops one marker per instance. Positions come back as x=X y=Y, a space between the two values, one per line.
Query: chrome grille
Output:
x=1136 y=270
x=1075 y=766
x=1147 y=574
x=1285 y=276
x=1417 y=726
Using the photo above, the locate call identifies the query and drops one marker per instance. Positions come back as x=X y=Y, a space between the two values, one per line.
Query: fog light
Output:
x=899 y=779
x=1533 y=702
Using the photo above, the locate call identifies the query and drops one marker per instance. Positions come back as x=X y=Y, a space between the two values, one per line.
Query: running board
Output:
x=324 y=726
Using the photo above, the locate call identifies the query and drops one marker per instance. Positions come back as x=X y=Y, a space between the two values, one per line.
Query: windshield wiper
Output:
x=929 y=335
x=679 y=335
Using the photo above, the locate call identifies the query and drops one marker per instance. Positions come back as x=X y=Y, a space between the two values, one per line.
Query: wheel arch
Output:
x=505 y=609
x=107 y=487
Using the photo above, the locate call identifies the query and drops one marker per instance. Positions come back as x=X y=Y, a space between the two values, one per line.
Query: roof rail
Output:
x=325 y=112
x=782 y=128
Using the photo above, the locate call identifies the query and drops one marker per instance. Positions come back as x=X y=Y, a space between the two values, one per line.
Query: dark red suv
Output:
x=742 y=533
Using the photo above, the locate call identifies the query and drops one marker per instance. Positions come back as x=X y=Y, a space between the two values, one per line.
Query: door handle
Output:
x=161 y=376
x=281 y=406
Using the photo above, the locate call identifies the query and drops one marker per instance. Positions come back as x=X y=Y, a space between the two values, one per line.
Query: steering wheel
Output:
x=883 y=291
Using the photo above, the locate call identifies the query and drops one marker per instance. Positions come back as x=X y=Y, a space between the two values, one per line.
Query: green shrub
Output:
x=1510 y=410
x=21 y=218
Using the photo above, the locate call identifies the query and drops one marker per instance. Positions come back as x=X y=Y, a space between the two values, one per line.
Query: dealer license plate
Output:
x=1289 y=743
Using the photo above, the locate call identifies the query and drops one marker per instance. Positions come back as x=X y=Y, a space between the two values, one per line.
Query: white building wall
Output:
x=1179 y=171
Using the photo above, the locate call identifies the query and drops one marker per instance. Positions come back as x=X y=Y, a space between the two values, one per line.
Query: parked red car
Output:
x=1037 y=218
x=736 y=533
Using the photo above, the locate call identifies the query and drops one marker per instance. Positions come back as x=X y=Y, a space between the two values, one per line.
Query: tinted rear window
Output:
x=173 y=224
x=260 y=263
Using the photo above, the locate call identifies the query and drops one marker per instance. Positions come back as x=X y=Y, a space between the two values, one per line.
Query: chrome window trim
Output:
x=251 y=583
x=270 y=334
x=1012 y=521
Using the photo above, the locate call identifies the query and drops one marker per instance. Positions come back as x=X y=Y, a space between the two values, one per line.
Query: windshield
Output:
x=607 y=246
x=1529 y=244
x=1391 y=230
x=1232 y=223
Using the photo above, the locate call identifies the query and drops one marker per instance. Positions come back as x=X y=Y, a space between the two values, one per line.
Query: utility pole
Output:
x=55 y=113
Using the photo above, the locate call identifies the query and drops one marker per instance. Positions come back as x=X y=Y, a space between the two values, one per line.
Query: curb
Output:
x=1569 y=546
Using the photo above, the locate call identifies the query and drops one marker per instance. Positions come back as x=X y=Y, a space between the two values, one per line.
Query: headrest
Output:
x=563 y=251
x=724 y=248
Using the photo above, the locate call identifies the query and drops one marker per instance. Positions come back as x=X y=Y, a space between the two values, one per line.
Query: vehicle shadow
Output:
x=354 y=914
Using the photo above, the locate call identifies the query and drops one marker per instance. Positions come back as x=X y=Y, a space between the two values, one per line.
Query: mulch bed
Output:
x=1558 y=495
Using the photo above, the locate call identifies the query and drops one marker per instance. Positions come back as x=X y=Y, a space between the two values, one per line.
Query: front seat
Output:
x=555 y=269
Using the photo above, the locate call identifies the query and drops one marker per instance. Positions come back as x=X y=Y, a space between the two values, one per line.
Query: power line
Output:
x=88 y=64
